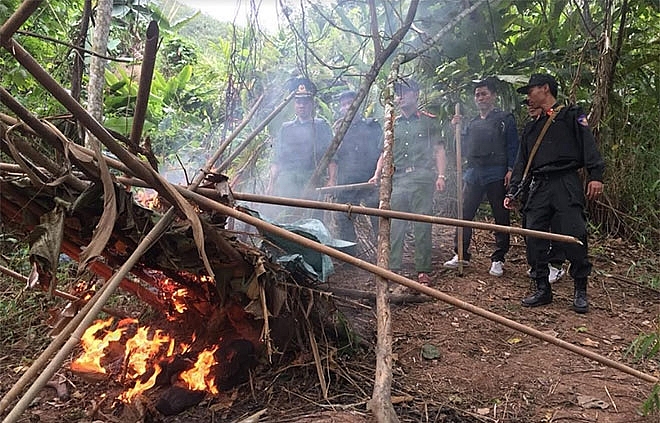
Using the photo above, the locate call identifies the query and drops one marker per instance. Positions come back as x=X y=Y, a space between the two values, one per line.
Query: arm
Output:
x=512 y=143
x=379 y=167
x=593 y=161
x=332 y=174
x=441 y=166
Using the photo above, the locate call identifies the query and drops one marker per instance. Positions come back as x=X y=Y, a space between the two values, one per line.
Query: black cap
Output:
x=302 y=87
x=539 y=79
x=406 y=84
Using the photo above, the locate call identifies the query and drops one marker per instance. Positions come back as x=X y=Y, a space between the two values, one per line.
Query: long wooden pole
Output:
x=349 y=208
x=205 y=202
x=459 y=190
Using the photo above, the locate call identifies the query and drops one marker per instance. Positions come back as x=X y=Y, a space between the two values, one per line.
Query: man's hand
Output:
x=509 y=204
x=440 y=183
x=594 y=190
x=374 y=180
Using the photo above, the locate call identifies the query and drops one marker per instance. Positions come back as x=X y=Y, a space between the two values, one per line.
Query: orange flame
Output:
x=94 y=349
x=140 y=387
x=141 y=351
x=178 y=299
x=199 y=378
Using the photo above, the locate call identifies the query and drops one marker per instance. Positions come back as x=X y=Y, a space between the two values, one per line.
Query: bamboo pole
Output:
x=18 y=18
x=459 y=190
x=390 y=214
x=144 y=87
x=387 y=274
x=346 y=187
x=224 y=165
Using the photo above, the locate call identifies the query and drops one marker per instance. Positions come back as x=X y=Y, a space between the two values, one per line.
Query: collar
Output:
x=554 y=109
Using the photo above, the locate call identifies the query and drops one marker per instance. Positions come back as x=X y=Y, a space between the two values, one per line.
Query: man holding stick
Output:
x=356 y=160
x=491 y=143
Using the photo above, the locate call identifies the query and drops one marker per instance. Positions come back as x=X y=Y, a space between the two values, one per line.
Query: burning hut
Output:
x=223 y=303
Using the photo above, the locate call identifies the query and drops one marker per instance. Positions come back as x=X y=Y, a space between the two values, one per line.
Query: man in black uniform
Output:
x=556 y=189
x=491 y=144
x=356 y=160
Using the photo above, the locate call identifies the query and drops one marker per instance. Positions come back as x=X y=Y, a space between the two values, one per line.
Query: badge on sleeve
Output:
x=582 y=120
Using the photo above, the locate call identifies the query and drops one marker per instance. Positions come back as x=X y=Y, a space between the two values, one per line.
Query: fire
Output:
x=140 y=351
x=95 y=347
x=140 y=387
x=141 y=354
x=147 y=197
x=199 y=378
x=178 y=297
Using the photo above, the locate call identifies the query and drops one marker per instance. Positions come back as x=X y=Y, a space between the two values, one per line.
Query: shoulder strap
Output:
x=539 y=139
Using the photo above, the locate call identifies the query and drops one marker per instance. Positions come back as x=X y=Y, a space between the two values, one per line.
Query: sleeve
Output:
x=591 y=157
x=277 y=145
x=435 y=131
x=324 y=136
x=512 y=141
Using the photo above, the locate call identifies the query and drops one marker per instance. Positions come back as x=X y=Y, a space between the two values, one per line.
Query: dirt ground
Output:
x=483 y=371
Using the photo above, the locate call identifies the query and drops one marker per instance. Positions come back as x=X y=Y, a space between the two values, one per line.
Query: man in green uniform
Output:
x=419 y=162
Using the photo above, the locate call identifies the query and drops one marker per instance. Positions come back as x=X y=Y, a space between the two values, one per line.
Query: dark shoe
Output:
x=542 y=296
x=580 y=303
x=424 y=278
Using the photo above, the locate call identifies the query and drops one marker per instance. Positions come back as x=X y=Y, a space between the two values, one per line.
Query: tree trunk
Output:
x=97 y=63
x=381 y=401
x=608 y=58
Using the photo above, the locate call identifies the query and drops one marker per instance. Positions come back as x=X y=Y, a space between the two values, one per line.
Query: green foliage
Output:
x=647 y=346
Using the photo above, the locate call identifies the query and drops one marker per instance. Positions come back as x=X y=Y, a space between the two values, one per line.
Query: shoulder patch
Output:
x=582 y=120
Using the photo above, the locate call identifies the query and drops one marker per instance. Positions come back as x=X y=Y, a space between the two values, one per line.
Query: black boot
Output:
x=580 y=303
x=542 y=296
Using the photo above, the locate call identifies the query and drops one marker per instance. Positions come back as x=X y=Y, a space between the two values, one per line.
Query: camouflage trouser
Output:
x=412 y=193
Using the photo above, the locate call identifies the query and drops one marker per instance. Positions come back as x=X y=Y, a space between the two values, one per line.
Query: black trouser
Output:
x=472 y=195
x=556 y=255
x=345 y=221
x=557 y=200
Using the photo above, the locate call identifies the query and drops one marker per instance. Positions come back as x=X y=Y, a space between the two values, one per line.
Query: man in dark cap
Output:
x=419 y=162
x=491 y=144
x=356 y=160
x=556 y=190
x=300 y=145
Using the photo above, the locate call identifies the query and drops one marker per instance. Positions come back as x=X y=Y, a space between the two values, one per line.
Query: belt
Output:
x=409 y=169
x=546 y=176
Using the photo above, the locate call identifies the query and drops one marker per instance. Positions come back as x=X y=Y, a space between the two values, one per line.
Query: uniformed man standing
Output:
x=419 y=162
x=556 y=189
x=300 y=145
x=491 y=144
x=356 y=160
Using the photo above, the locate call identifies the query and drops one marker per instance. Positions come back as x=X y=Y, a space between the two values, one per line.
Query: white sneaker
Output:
x=496 y=269
x=453 y=263
x=555 y=274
